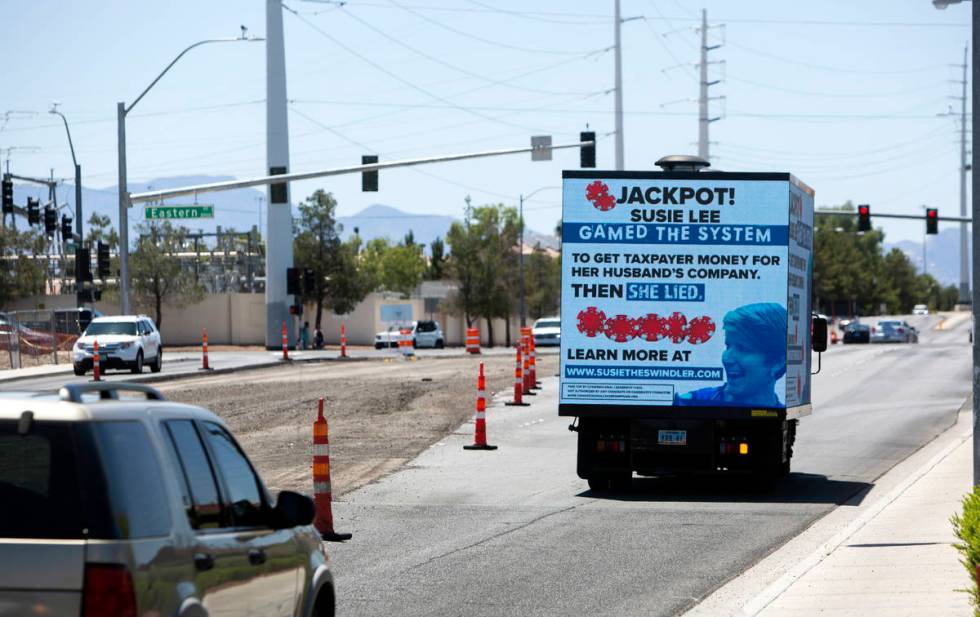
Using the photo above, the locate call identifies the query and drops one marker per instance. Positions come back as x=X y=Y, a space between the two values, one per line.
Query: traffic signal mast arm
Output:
x=356 y=169
x=914 y=217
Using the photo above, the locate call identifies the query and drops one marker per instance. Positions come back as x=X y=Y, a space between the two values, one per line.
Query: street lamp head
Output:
x=54 y=107
x=942 y=4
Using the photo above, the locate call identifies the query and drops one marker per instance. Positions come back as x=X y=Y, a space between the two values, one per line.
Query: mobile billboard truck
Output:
x=686 y=322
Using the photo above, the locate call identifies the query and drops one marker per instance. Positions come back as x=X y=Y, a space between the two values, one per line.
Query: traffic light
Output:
x=864 y=217
x=66 y=222
x=8 y=196
x=33 y=211
x=292 y=281
x=932 y=221
x=50 y=220
x=587 y=153
x=369 y=179
x=83 y=263
x=309 y=280
x=102 y=257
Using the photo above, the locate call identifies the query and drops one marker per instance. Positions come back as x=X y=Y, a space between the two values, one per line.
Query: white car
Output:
x=547 y=331
x=920 y=309
x=426 y=333
x=125 y=341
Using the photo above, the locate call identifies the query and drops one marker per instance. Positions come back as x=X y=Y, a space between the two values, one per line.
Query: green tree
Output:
x=21 y=272
x=348 y=284
x=397 y=268
x=542 y=281
x=156 y=272
x=437 y=260
x=316 y=245
x=484 y=261
x=100 y=229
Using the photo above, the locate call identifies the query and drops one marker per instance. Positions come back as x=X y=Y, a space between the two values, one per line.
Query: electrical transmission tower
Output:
x=704 y=117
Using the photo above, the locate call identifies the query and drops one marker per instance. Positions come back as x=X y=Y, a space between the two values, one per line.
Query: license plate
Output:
x=672 y=438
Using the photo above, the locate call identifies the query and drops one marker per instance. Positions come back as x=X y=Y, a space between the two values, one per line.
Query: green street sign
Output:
x=179 y=212
x=70 y=248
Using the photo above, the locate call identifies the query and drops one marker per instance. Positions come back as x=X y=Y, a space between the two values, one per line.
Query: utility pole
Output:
x=964 y=243
x=703 y=118
x=618 y=24
x=279 y=219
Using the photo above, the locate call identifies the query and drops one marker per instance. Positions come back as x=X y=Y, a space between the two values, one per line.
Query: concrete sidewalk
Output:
x=892 y=555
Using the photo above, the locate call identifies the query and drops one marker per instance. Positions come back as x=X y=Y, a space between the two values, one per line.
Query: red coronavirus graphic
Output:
x=598 y=193
x=591 y=321
x=619 y=329
x=675 y=327
x=700 y=330
x=650 y=327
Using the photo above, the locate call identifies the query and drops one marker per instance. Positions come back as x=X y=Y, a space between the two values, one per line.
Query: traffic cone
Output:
x=322 y=496
x=526 y=382
x=518 y=383
x=285 y=343
x=833 y=336
x=204 y=348
x=343 y=340
x=480 y=433
x=96 y=369
x=535 y=384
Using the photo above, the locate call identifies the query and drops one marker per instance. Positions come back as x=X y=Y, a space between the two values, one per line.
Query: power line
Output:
x=835 y=69
x=452 y=66
x=759 y=84
x=399 y=78
x=474 y=37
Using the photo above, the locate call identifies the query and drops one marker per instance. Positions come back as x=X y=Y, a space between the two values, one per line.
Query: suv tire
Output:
x=137 y=367
x=440 y=344
x=158 y=362
x=79 y=369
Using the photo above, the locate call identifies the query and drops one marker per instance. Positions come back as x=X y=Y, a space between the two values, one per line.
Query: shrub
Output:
x=966 y=526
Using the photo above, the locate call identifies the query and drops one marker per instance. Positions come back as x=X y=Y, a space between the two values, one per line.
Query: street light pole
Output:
x=121 y=111
x=78 y=202
x=520 y=216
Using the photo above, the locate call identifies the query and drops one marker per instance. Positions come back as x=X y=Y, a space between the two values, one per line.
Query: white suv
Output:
x=125 y=341
x=426 y=333
x=118 y=505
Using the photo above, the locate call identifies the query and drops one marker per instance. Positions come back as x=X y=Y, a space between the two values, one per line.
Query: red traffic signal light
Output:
x=932 y=221
x=864 y=217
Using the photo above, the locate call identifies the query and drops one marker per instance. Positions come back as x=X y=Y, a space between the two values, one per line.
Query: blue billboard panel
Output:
x=685 y=292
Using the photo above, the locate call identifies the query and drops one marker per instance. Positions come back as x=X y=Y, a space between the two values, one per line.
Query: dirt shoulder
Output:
x=381 y=414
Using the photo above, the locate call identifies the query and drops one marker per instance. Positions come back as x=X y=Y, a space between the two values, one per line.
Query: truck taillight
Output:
x=108 y=591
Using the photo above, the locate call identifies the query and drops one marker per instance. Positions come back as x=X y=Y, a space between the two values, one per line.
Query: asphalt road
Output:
x=515 y=532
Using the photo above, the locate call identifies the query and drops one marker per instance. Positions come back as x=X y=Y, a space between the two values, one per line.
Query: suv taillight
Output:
x=108 y=591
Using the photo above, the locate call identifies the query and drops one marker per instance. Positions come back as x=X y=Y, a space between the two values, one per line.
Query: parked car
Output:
x=920 y=309
x=857 y=333
x=130 y=506
x=425 y=333
x=125 y=341
x=547 y=331
x=893 y=331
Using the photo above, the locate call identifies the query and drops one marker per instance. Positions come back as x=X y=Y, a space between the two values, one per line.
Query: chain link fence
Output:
x=36 y=338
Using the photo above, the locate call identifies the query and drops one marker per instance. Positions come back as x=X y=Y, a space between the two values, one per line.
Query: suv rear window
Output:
x=110 y=327
x=39 y=489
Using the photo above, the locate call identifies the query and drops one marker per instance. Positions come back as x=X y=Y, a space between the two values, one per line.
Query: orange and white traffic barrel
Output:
x=96 y=369
x=518 y=382
x=405 y=342
x=480 y=431
x=472 y=340
x=526 y=381
x=322 y=492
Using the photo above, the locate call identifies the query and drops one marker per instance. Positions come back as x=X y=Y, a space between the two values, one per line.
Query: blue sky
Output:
x=846 y=95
